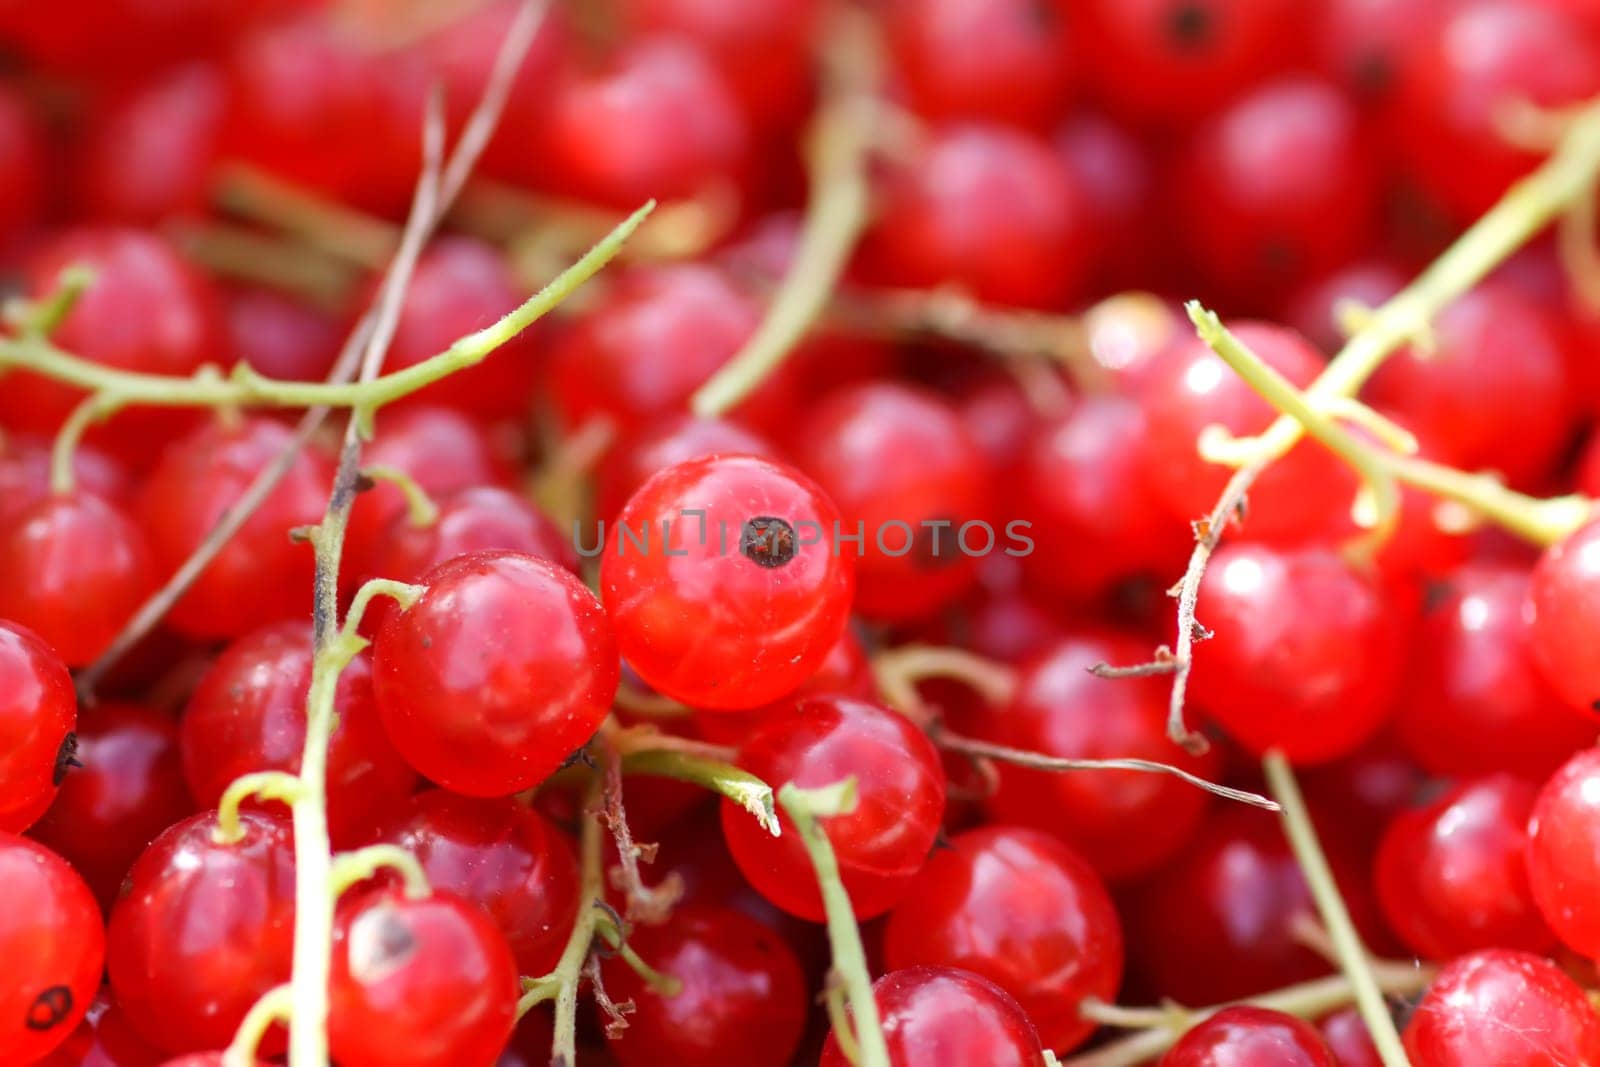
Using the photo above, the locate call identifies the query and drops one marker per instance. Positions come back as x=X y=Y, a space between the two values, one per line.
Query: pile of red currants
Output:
x=1057 y=532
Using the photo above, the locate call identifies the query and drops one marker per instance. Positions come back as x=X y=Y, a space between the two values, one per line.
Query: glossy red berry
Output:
x=649 y=343
x=1348 y=1038
x=1474 y=700
x=1511 y=1009
x=657 y=121
x=1024 y=911
x=1123 y=822
x=665 y=443
x=725 y=582
x=845 y=671
x=743 y=997
x=441 y=449
x=73 y=568
x=281 y=337
x=38 y=710
x=202 y=930
x=1171 y=61
x=1564 y=852
x=25 y=474
x=985 y=207
x=908 y=478
x=129 y=789
x=1314 y=685
x=1278 y=187
x=1564 y=614
x=503 y=668
x=426 y=982
x=53 y=941
x=942 y=1015
x=1009 y=60
x=1084 y=484
x=153 y=154
x=882 y=844
x=460 y=286
x=1450 y=876
x=1190 y=388
x=260 y=575
x=1491 y=343
x=480 y=519
x=1244 y=1036
x=503 y=856
x=248 y=714
x=146 y=310
x=1454 y=80
x=1236 y=893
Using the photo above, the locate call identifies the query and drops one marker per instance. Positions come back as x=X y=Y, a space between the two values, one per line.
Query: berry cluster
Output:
x=766 y=656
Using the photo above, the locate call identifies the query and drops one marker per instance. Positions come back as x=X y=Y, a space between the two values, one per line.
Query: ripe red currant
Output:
x=1244 y=1036
x=1511 y=1009
x=882 y=844
x=503 y=668
x=724 y=581
x=52 y=939
x=38 y=710
x=943 y=1015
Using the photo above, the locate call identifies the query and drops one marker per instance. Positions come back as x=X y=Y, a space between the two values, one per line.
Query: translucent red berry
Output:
x=425 y=981
x=942 y=1015
x=1511 y=1009
x=724 y=581
x=54 y=945
x=1244 y=1036
x=1564 y=852
x=1024 y=911
x=503 y=668
x=38 y=710
x=882 y=844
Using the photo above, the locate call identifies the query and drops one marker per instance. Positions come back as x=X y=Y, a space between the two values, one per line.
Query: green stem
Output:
x=806 y=807
x=244 y=387
x=662 y=984
x=89 y=411
x=1539 y=521
x=741 y=787
x=403 y=593
x=1354 y=959
x=569 y=969
x=272 y=1008
x=350 y=868
x=421 y=511
x=836 y=214
x=264 y=785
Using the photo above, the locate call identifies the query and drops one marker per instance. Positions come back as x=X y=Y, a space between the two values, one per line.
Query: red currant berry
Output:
x=52 y=939
x=1314 y=684
x=1125 y=823
x=666 y=443
x=1511 y=1009
x=1235 y=895
x=281 y=337
x=910 y=480
x=480 y=519
x=882 y=844
x=38 y=710
x=1190 y=388
x=1348 y=1038
x=1021 y=909
x=1564 y=604
x=1474 y=700
x=724 y=581
x=657 y=121
x=460 y=286
x=1085 y=487
x=1280 y=186
x=1451 y=877
x=846 y=671
x=1564 y=852
x=1492 y=343
x=1244 y=1036
x=1455 y=79
x=1177 y=60
x=743 y=998
x=986 y=207
x=503 y=668
x=502 y=855
x=649 y=343
x=146 y=310
x=25 y=474
x=248 y=713
x=129 y=789
x=153 y=154
x=423 y=983
x=74 y=568
x=260 y=575
x=990 y=59
x=942 y=1015
x=202 y=930
x=441 y=449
